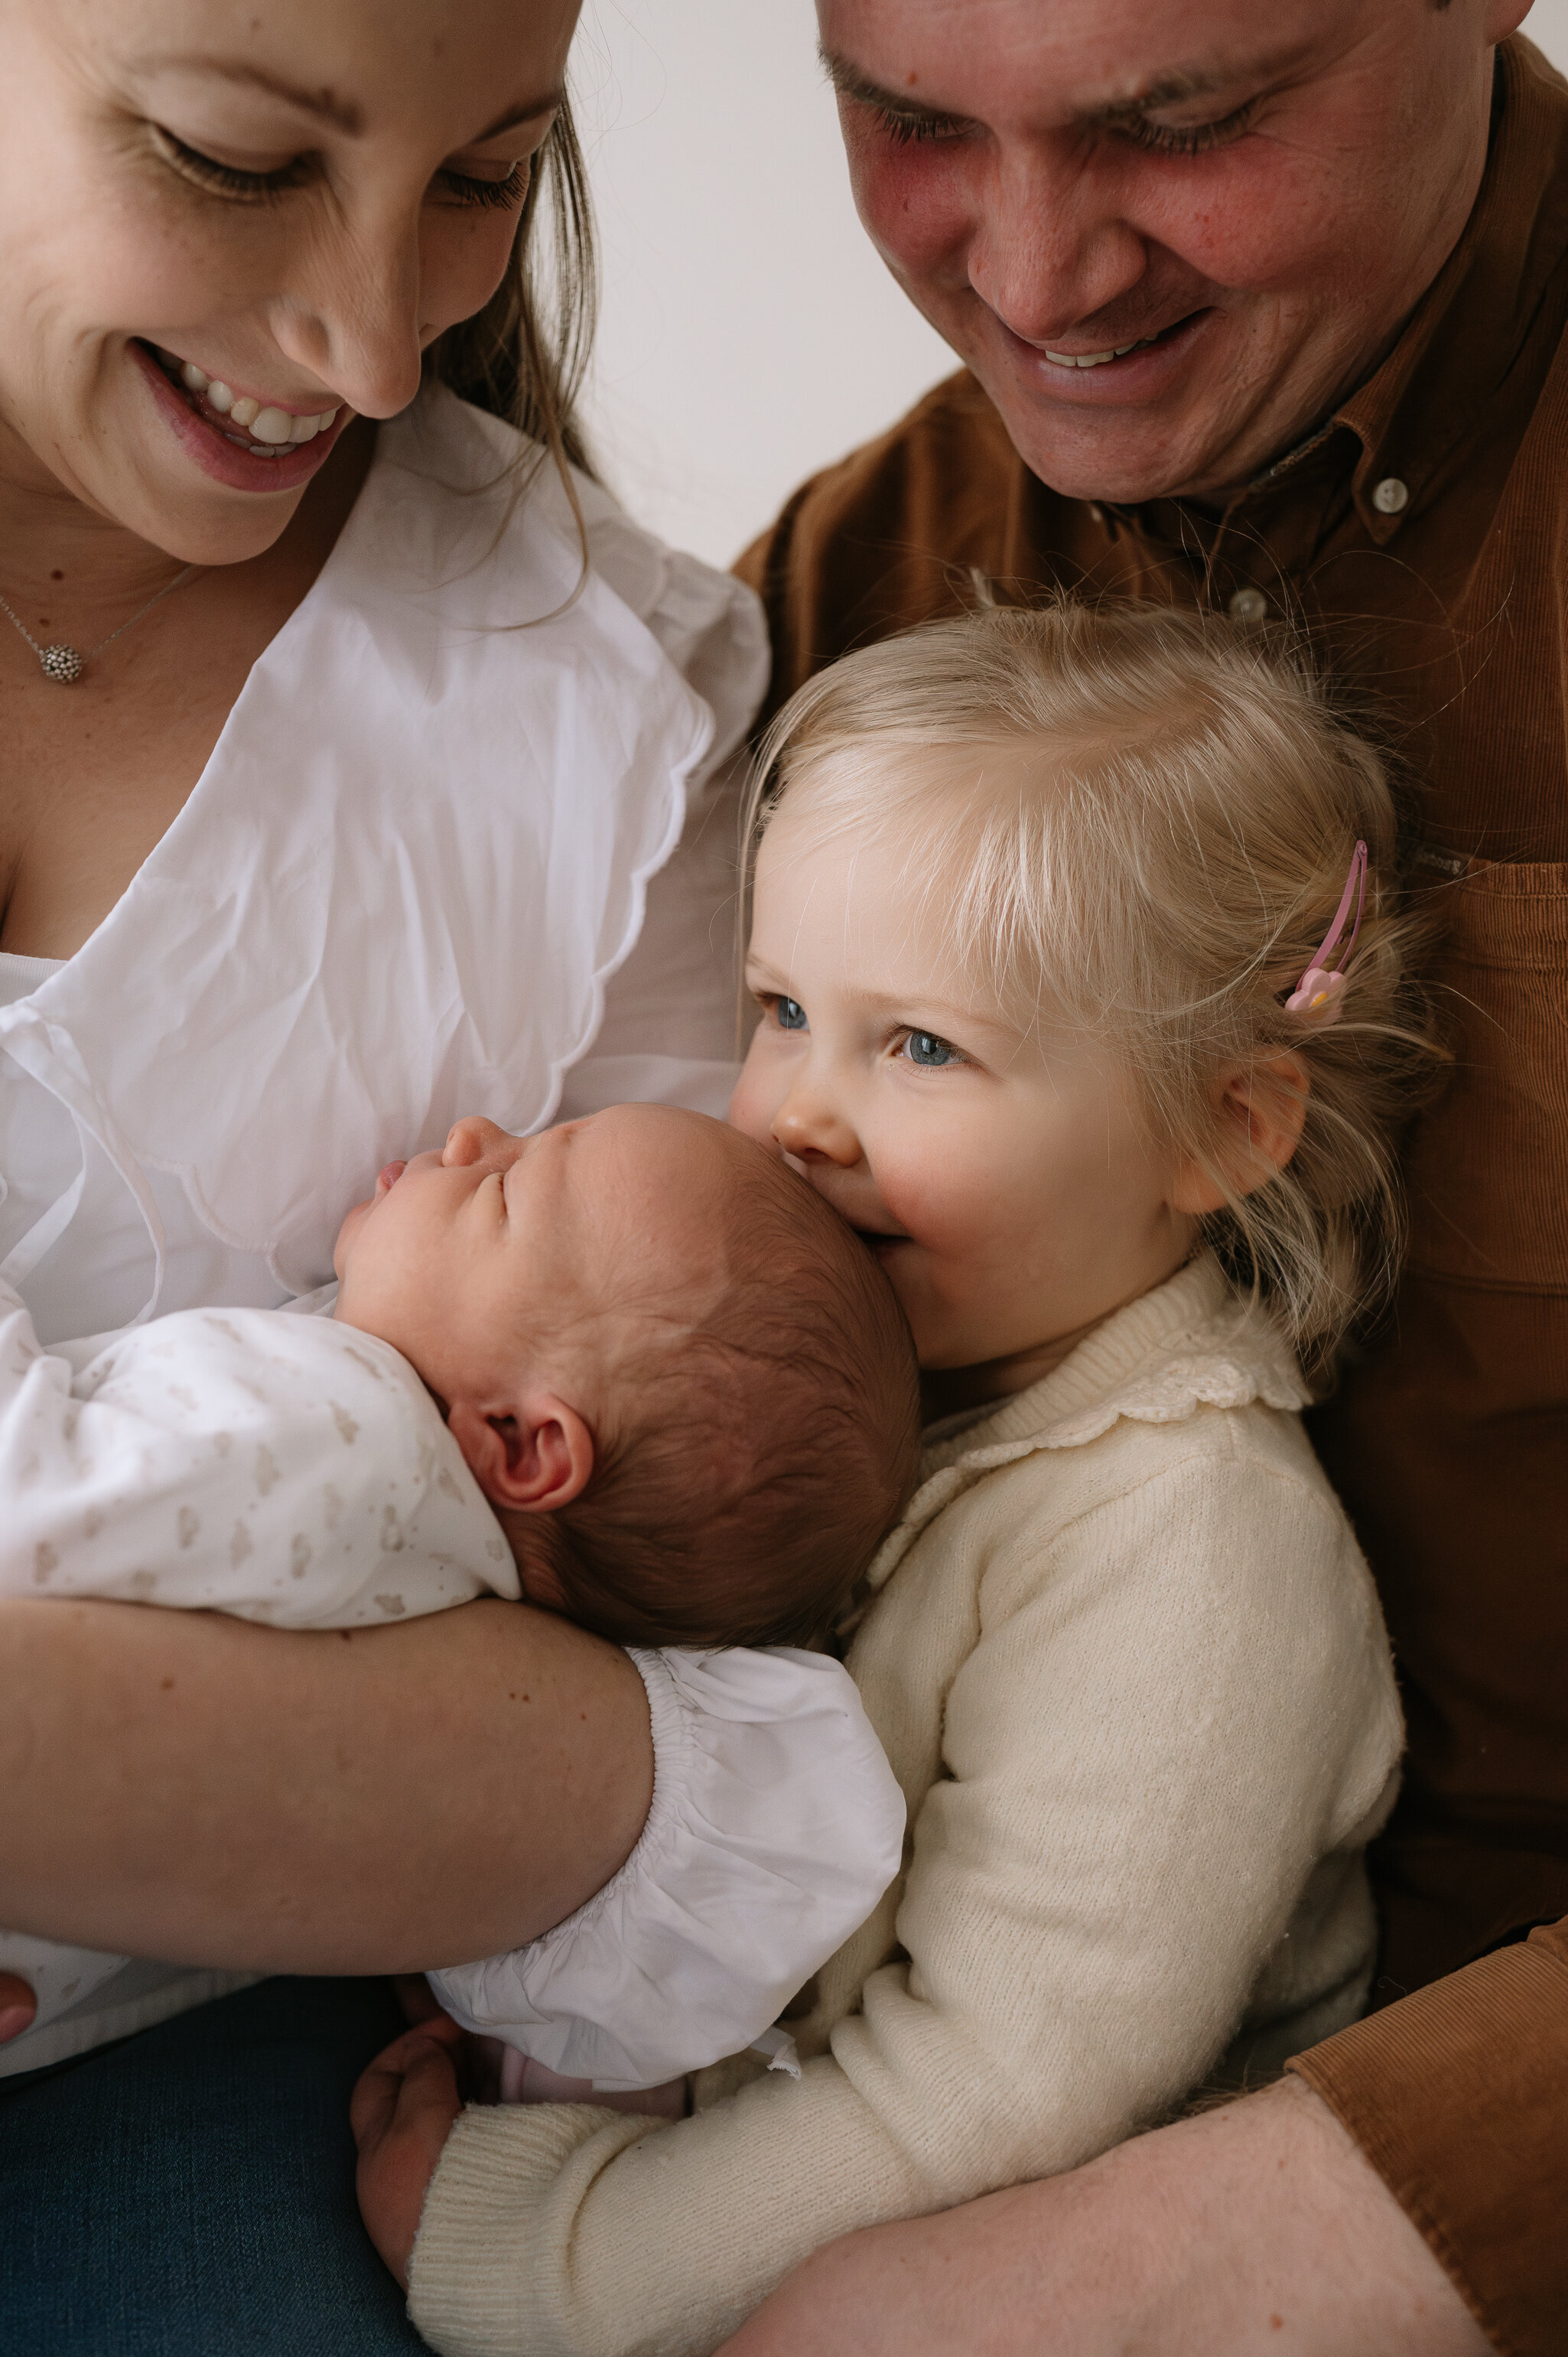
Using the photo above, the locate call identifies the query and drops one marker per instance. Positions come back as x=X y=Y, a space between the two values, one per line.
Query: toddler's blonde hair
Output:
x=1141 y=822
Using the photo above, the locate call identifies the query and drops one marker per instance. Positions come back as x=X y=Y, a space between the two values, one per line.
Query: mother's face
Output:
x=1165 y=234
x=286 y=202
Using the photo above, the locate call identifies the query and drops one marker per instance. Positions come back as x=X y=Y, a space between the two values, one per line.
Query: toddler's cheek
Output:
x=752 y=1108
x=910 y=1278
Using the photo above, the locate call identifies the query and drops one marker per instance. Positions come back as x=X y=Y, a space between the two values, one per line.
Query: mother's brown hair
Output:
x=523 y=356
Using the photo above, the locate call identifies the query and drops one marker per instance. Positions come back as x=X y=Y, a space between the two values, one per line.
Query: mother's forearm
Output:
x=174 y=1784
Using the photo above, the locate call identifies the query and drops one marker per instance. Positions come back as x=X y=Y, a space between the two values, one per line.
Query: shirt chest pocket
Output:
x=1488 y=1166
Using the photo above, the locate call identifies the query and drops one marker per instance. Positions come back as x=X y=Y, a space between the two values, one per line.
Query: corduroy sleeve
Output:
x=1459 y=2096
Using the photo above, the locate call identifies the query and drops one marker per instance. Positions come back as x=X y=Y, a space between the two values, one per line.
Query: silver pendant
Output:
x=60 y=663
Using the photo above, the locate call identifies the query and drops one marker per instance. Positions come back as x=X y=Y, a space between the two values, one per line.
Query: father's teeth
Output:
x=326 y=419
x=245 y=411
x=220 y=398
x=194 y=380
x=1097 y=360
x=304 y=429
x=269 y=425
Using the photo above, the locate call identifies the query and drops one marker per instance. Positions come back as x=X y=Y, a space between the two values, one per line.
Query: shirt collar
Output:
x=1465 y=334
x=1402 y=422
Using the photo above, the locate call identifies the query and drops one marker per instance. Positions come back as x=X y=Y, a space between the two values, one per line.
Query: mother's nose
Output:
x=354 y=320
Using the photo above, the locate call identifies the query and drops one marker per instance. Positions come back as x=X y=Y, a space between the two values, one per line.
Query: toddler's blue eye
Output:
x=791 y=1015
x=925 y=1047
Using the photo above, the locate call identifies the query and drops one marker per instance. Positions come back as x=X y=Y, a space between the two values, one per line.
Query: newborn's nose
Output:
x=472 y=1139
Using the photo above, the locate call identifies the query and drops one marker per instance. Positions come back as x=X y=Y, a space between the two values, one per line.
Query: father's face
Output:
x=1167 y=235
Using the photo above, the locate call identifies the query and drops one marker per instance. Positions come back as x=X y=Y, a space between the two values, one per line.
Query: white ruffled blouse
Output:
x=461 y=846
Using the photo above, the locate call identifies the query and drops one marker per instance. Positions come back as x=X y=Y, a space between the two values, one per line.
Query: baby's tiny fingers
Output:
x=417 y=1998
x=379 y=2092
x=17 y=2007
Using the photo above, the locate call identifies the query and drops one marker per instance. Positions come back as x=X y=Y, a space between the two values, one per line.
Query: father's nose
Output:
x=1051 y=246
x=470 y=1140
x=810 y=1125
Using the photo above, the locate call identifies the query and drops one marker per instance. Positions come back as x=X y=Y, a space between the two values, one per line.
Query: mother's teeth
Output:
x=269 y=428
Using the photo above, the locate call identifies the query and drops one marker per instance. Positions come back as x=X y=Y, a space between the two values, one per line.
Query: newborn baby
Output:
x=680 y=1404
x=689 y=1397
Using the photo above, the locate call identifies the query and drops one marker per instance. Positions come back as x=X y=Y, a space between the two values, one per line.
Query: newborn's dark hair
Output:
x=775 y=1445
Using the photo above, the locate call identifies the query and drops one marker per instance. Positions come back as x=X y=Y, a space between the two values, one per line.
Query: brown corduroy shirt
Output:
x=1421 y=535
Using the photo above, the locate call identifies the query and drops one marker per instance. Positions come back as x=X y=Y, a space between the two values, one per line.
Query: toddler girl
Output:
x=1082 y=998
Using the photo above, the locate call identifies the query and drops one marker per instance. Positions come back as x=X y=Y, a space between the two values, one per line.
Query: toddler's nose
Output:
x=809 y=1126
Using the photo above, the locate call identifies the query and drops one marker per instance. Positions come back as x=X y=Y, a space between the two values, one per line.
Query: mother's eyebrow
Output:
x=325 y=105
x=515 y=116
x=328 y=107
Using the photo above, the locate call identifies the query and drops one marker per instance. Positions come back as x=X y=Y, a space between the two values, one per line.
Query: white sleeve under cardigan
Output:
x=1128 y=1665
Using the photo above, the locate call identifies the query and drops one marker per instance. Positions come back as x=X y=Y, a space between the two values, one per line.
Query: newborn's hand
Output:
x=17 y=2007
x=402 y=2111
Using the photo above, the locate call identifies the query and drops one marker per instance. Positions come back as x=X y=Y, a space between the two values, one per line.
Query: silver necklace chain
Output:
x=65 y=664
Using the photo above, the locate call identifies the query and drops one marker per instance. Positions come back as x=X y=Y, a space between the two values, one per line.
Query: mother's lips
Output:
x=267 y=430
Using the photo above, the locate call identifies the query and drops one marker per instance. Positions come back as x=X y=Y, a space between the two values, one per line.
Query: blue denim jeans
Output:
x=190 y=2192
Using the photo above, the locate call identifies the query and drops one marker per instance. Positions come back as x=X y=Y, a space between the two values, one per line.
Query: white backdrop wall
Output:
x=749 y=334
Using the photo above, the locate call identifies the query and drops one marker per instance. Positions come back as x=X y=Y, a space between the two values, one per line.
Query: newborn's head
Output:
x=684 y=1385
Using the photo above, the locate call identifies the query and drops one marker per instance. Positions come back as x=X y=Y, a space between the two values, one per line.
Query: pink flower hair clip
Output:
x=1321 y=989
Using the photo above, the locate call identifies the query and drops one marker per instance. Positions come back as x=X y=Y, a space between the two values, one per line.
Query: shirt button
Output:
x=1249 y=604
x=1390 y=495
x=1096 y=511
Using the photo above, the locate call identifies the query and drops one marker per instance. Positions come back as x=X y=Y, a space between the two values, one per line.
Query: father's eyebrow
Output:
x=325 y=105
x=1168 y=88
x=850 y=82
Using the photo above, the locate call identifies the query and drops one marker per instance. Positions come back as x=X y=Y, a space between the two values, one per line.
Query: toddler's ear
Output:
x=531 y=1459
x=1258 y=1112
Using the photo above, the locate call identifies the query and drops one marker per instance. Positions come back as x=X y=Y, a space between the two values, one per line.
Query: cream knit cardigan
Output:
x=1128 y=1665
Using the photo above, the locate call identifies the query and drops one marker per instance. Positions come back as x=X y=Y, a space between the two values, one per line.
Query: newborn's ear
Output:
x=531 y=1459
